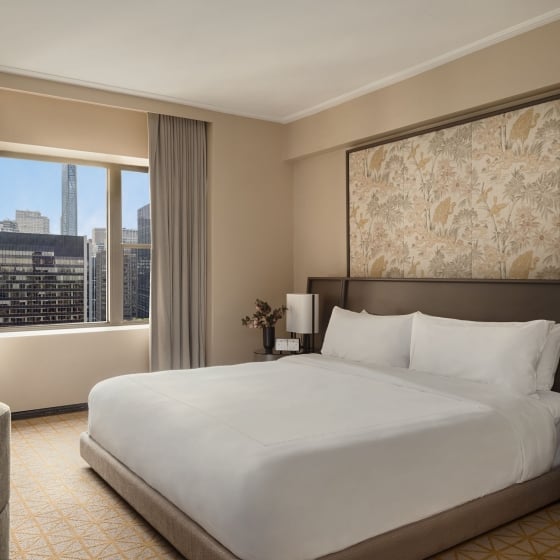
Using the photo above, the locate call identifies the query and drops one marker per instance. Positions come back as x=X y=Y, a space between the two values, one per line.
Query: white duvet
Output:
x=298 y=458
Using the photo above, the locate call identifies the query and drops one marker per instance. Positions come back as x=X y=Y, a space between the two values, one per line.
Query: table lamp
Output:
x=302 y=318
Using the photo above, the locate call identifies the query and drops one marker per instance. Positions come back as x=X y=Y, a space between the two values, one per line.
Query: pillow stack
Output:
x=520 y=357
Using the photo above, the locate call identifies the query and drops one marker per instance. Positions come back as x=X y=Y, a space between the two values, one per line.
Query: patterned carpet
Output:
x=60 y=510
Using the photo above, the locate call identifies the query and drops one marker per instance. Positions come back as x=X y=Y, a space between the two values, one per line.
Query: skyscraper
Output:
x=144 y=263
x=144 y=224
x=69 y=218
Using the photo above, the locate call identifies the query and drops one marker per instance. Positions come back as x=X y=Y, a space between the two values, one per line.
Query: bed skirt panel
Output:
x=411 y=542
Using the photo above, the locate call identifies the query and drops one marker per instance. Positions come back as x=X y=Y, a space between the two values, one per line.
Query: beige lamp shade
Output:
x=302 y=316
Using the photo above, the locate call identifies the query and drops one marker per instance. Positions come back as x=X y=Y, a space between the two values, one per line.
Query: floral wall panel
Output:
x=516 y=194
x=476 y=200
x=376 y=210
x=437 y=219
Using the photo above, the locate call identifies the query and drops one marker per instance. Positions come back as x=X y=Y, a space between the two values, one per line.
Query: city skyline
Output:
x=54 y=278
x=24 y=223
x=31 y=185
x=53 y=254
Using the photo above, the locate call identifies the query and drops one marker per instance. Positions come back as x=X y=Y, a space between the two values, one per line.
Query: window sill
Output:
x=73 y=330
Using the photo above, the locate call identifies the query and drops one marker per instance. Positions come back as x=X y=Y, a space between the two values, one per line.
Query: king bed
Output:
x=410 y=433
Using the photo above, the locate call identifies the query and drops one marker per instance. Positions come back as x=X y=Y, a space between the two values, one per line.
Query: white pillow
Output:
x=496 y=353
x=548 y=363
x=373 y=339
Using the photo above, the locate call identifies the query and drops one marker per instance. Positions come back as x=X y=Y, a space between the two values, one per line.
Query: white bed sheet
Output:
x=298 y=458
x=551 y=400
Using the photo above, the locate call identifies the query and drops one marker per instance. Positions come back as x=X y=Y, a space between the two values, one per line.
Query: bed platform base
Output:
x=410 y=542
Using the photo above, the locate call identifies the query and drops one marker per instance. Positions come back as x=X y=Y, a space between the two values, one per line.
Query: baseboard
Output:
x=24 y=414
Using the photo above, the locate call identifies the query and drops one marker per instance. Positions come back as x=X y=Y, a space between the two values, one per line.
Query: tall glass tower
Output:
x=143 y=282
x=69 y=218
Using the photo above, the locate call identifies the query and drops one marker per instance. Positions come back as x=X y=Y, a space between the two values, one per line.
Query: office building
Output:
x=8 y=225
x=42 y=279
x=29 y=221
x=69 y=218
x=129 y=235
x=143 y=266
x=98 y=239
x=98 y=274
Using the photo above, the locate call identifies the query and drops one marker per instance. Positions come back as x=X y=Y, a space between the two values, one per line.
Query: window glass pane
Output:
x=50 y=269
x=136 y=230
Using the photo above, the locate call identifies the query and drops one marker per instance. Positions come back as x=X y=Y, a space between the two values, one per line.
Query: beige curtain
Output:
x=178 y=207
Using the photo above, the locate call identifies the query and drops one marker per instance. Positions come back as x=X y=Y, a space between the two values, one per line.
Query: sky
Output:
x=36 y=185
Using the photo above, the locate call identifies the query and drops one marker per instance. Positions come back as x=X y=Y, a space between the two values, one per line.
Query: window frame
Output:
x=115 y=245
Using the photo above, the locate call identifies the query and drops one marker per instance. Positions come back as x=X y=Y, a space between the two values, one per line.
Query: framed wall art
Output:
x=478 y=199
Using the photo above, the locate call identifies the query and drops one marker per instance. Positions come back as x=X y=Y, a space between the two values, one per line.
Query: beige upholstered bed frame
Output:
x=477 y=300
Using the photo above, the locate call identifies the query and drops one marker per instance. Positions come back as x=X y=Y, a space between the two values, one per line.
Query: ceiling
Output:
x=276 y=60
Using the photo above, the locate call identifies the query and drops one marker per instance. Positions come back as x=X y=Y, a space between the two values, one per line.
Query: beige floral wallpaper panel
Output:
x=476 y=200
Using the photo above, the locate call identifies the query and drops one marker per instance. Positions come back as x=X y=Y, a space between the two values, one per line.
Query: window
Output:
x=62 y=226
x=136 y=244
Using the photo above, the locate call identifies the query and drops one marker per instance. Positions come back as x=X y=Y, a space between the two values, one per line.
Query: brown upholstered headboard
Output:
x=476 y=300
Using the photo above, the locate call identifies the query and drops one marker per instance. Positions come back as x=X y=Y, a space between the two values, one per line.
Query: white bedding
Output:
x=298 y=458
x=551 y=400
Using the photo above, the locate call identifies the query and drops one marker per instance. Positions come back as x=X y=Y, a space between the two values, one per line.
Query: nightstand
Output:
x=262 y=356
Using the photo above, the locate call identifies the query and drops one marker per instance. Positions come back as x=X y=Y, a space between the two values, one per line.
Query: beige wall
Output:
x=250 y=232
x=36 y=120
x=55 y=368
x=525 y=66
x=250 y=218
x=500 y=73
x=319 y=217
